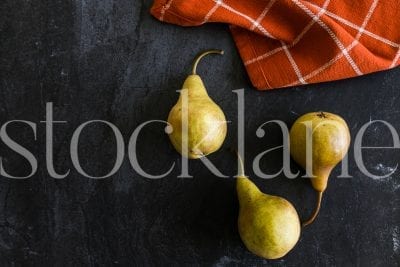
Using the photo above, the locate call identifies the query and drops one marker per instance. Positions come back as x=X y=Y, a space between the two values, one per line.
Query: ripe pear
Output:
x=198 y=123
x=269 y=226
x=323 y=138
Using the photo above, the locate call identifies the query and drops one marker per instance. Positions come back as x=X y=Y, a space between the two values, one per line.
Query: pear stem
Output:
x=316 y=211
x=241 y=164
x=199 y=57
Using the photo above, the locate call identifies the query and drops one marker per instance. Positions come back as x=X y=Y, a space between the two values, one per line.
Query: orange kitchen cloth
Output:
x=292 y=42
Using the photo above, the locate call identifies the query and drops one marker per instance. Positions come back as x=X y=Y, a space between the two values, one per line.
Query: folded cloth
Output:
x=291 y=42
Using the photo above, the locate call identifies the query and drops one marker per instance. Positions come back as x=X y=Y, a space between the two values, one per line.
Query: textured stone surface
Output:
x=111 y=60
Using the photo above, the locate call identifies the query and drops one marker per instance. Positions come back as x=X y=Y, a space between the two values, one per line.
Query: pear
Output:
x=198 y=123
x=328 y=142
x=269 y=226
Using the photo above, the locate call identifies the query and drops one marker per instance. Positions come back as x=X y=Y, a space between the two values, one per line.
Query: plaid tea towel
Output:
x=292 y=42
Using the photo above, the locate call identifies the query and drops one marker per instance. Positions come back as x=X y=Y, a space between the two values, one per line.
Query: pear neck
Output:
x=195 y=86
x=320 y=180
x=193 y=83
x=247 y=190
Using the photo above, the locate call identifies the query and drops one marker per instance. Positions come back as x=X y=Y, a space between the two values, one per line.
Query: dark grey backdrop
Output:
x=111 y=60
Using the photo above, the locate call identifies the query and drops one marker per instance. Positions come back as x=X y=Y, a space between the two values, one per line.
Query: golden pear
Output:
x=269 y=226
x=198 y=124
x=323 y=137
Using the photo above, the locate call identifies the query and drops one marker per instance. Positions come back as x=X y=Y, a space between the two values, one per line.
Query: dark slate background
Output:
x=110 y=60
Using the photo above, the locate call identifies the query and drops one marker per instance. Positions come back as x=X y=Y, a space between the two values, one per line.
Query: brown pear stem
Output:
x=241 y=164
x=316 y=211
x=199 y=57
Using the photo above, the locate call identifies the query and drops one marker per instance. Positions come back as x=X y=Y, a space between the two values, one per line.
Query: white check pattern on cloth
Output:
x=212 y=11
x=164 y=9
x=366 y=32
x=296 y=40
x=305 y=30
x=344 y=51
x=396 y=58
x=263 y=14
x=354 y=26
x=332 y=34
x=361 y=30
x=253 y=22
x=338 y=18
x=293 y=63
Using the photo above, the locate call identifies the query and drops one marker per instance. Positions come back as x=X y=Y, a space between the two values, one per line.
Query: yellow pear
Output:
x=318 y=142
x=269 y=226
x=198 y=124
